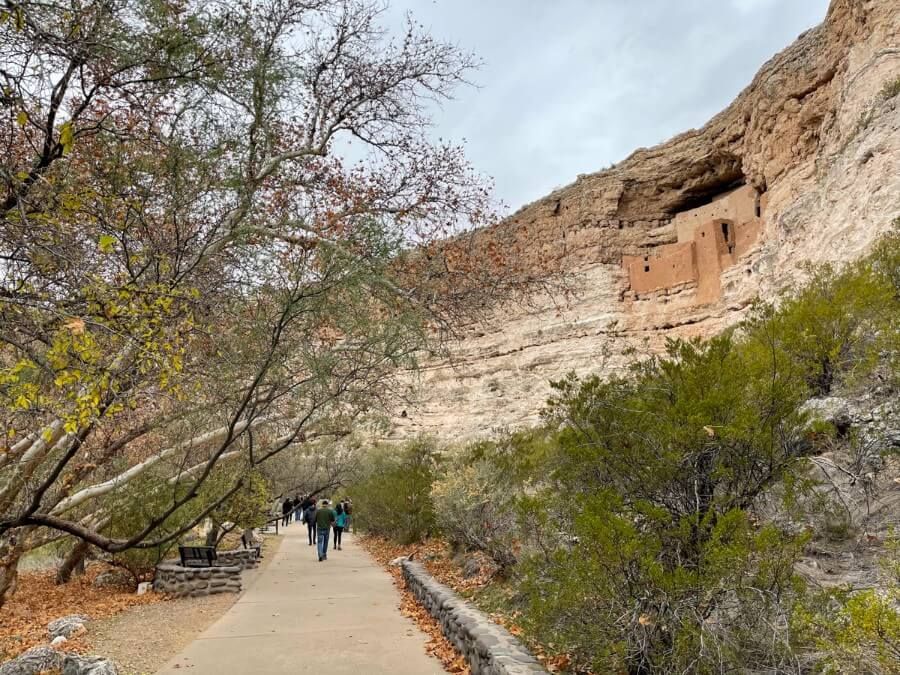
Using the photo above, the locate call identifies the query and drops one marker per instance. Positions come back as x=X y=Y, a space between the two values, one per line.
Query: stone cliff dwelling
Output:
x=710 y=239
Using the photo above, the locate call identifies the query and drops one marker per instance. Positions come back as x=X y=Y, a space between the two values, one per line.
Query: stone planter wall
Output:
x=488 y=648
x=193 y=582
x=244 y=558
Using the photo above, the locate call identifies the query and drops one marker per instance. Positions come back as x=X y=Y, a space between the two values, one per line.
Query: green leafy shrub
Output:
x=670 y=570
x=131 y=510
x=247 y=508
x=475 y=504
x=663 y=564
x=834 y=328
x=393 y=496
x=132 y=507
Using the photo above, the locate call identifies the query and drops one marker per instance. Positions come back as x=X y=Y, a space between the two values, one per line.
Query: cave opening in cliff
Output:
x=725 y=176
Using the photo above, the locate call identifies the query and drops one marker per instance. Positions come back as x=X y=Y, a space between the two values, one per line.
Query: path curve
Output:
x=337 y=617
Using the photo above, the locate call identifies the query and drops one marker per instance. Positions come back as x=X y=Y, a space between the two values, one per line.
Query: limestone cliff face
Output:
x=813 y=135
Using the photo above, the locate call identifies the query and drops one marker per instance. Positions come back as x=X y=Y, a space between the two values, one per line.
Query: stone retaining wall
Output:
x=488 y=648
x=192 y=582
x=241 y=557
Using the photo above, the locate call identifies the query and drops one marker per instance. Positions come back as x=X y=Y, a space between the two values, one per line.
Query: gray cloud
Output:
x=570 y=86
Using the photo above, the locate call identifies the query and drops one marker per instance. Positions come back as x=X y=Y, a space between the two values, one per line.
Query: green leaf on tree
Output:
x=106 y=243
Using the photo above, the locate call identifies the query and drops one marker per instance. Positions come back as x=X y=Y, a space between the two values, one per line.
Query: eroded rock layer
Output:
x=813 y=143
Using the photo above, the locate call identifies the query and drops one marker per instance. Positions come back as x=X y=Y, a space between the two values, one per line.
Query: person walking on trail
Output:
x=309 y=517
x=340 y=521
x=286 y=509
x=298 y=511
x=348 y=511
x=324 y=521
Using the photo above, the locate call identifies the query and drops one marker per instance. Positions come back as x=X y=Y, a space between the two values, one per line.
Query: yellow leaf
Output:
x=106 y=242
x=66 y=137
x=22 y=118
x=709 y=431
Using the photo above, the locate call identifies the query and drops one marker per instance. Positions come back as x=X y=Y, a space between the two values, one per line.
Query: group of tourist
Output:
x=320 y=518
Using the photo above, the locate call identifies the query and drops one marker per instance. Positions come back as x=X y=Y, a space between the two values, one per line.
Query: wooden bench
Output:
x=197 y=556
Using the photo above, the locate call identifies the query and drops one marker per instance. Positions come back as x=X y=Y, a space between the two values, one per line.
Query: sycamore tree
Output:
x=190 y=275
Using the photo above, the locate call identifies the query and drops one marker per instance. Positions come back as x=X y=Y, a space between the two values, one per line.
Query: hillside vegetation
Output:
x=657 y=521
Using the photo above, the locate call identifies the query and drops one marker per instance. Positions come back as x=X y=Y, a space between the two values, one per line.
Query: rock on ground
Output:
x=114 y=579
x=67 y=626
x=33 y=661
x=88 y=665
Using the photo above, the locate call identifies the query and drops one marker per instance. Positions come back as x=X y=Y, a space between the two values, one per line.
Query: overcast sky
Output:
x=571 y=86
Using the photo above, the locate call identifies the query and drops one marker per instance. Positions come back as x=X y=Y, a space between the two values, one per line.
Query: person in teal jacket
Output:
x=340 y=521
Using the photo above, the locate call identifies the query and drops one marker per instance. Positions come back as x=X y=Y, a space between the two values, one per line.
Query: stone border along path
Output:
x=338 y=617
x=489 y=649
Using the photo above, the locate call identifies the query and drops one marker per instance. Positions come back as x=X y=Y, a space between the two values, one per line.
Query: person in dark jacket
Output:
x=286 y=508
x=309 y=517
x=348 y=510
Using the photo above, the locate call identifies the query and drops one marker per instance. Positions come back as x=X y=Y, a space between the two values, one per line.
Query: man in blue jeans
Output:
x=324 y=520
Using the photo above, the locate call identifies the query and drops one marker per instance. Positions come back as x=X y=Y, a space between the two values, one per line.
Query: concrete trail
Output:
x=298 y=615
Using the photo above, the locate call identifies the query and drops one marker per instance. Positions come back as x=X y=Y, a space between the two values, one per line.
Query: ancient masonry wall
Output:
x=667 y=266
x=711 y=238
x=740 y=205
x=489 y=649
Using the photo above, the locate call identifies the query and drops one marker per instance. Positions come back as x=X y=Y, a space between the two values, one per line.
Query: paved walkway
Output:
x=301 y=616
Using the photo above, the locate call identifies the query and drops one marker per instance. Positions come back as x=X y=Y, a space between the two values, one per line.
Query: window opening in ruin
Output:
x=758 y=209
x=646 y=268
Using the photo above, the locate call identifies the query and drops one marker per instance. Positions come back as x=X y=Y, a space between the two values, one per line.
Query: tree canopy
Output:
x=191 y=274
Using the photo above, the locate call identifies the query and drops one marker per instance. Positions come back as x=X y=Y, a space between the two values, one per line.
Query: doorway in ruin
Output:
x=728 y=235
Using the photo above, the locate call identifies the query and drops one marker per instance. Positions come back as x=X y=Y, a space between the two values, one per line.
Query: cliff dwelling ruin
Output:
x=710 y=239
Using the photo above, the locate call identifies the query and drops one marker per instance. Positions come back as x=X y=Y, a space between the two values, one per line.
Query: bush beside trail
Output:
x=655 y=521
